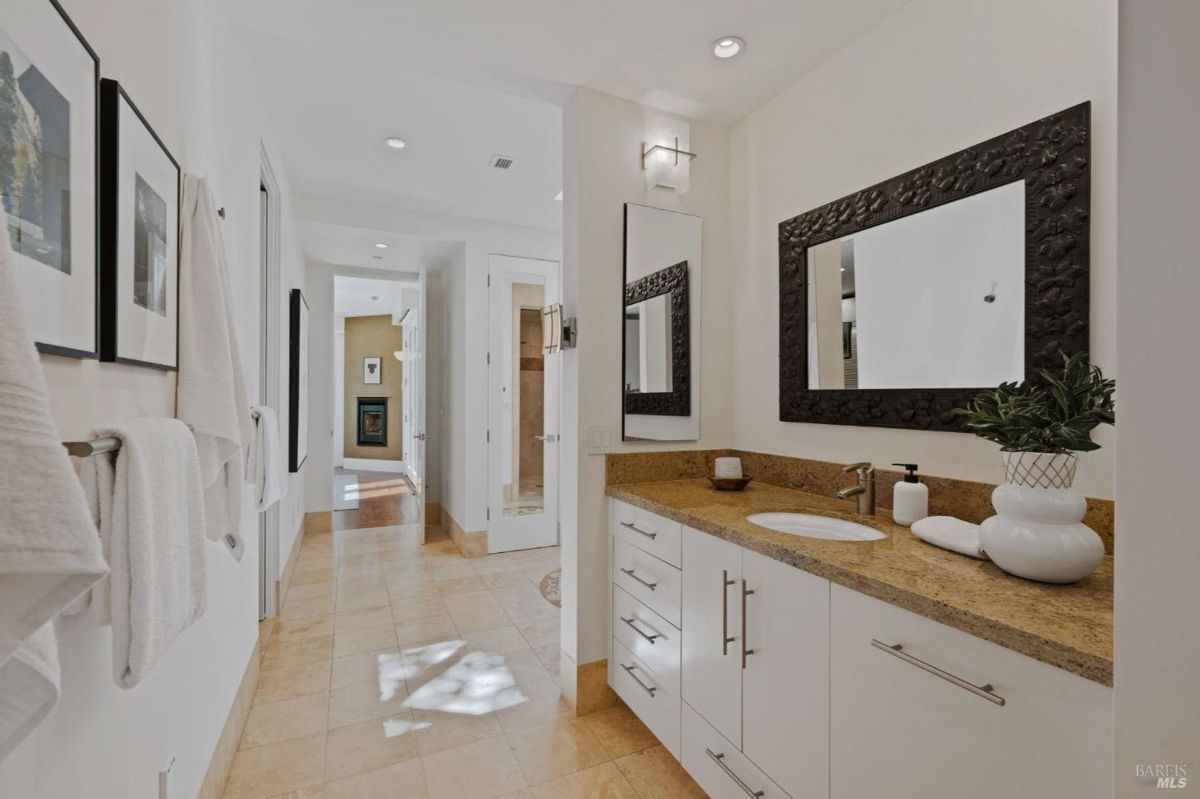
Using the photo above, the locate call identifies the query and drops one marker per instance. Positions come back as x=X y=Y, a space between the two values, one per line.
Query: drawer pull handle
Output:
x=650 y=689
x=635 y=628
x=726 y=638
x=636 y=529
x=987 y=691
x=651 y=586
x=719 y=759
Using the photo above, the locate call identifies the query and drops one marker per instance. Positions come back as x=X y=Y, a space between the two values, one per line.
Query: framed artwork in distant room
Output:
x=140 y=184
x=298 y=382
x=49 y=94
x=372 y=370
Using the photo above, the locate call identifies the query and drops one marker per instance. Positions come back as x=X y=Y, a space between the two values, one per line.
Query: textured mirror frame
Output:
x=678 y=402
x=1052 y=156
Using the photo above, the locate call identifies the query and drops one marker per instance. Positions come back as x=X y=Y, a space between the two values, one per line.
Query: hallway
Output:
x=401 y=670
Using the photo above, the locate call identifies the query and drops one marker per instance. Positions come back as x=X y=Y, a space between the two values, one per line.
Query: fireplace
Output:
x=372 y=421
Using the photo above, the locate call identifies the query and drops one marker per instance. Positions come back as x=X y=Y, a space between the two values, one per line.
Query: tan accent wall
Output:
x=368 y=336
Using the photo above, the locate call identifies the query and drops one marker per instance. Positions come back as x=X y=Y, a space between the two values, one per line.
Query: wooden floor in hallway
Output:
x=398 y=670
x=383 y=499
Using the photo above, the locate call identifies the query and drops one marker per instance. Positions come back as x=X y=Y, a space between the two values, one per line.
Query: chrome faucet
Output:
x=864 y=489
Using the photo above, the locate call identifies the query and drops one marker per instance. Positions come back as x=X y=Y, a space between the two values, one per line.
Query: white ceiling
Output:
x=463 y=80
x=355 y=247
x=357 y=296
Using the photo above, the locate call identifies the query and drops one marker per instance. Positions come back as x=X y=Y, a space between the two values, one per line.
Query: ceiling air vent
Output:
x=501 y=162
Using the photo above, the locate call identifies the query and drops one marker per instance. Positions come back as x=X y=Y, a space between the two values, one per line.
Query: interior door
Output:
x=523 y=396
x=417 y=375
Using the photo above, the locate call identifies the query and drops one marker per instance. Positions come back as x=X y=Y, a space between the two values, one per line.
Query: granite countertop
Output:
x=1068 y=626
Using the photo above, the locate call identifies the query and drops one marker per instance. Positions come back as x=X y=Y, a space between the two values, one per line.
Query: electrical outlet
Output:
x=166 y=780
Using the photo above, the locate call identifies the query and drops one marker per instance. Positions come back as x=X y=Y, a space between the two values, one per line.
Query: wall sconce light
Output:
x=666 y=157
x=558 y=333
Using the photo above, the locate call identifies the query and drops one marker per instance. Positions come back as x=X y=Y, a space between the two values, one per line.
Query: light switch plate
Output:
x=599 y=439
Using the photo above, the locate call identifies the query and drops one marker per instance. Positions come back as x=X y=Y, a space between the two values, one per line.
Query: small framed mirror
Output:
x=660 y=325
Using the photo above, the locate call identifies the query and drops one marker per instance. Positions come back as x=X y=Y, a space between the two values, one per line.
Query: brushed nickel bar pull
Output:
x=636 y=529
x=719 y=759
x=635 y=628
x=647 y=688
x=651 y=586
x=726 y=638
x=746 y=651
x=987 y=691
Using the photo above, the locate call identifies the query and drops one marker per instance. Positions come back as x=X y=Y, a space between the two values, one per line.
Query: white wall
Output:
x=937 y=76
x=602 y=171
x=103 y=742
x=464 y=444
x=1157 y=649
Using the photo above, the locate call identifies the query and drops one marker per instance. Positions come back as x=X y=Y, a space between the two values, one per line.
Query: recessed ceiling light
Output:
x=395 y=142
x=379 y=245
x=728 y=46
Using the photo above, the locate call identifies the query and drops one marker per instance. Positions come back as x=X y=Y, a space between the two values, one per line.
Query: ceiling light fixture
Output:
x=395 y=142
x=728 y=46
x=379 y=245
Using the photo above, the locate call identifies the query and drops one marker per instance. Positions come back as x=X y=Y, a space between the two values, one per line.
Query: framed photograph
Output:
x=372 y=370
x=49 y=95
x=298 y=383
x=140 y=184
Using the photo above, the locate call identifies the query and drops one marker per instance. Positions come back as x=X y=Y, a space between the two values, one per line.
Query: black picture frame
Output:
x=47 y=347
x=112 y=96
x=678 y=402
x=1052 y=156
x=297 y=379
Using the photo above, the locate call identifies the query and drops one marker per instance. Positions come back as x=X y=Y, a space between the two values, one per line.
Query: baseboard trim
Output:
x=372 y=465
x=285 y=579
x=221 y=763
x=470 y=545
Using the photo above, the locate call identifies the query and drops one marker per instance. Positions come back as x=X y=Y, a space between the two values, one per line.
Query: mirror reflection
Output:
x=648 y=366
x=931 y=300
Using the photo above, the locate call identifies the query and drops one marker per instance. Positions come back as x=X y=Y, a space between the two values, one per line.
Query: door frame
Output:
x=495 y=449
x=269 y=370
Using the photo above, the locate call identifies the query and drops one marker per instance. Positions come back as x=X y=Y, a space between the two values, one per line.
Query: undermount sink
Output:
x=812 y=526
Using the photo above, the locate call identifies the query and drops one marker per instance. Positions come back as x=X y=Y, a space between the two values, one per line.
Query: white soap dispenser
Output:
x=910 y=498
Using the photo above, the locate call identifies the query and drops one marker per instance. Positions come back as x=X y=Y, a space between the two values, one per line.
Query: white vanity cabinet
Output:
x=755 y=667
x=920 y=723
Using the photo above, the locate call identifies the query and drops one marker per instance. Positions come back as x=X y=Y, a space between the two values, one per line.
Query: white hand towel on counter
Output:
x=212 y=391
x=49 y=550
x=264 y=466
x=950 y=533
x=150 y=506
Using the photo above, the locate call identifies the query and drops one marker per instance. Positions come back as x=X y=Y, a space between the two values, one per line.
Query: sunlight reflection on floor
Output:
x=478 y=683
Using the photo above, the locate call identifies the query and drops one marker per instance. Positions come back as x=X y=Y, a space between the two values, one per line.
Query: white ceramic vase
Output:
x=1037 y=532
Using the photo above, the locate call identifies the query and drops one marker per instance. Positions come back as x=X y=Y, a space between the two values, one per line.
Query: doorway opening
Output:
x=378 y=478
x=270 y=299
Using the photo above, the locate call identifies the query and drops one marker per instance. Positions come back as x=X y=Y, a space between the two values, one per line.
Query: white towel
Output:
x=950 y=533
x=49 y=551
x=212 y=390
x=264 y=464
x=148 y=499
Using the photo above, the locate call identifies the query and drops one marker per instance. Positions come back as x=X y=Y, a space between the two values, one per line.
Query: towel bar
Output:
x=86 y=449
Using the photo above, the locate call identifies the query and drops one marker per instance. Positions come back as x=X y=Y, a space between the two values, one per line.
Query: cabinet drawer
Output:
x=647 y=579
x=647 y=531
x=921 y=712
x=647 y=636
x=648 y=696
x=717 y=765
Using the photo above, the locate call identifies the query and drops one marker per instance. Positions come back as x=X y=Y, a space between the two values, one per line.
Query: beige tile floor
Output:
x=402 y=671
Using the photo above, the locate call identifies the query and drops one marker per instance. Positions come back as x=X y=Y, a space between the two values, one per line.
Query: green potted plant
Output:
x=1041 y=425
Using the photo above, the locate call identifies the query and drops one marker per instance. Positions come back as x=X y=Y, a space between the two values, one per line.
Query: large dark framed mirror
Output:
x=658 y=371
x=899 y=302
